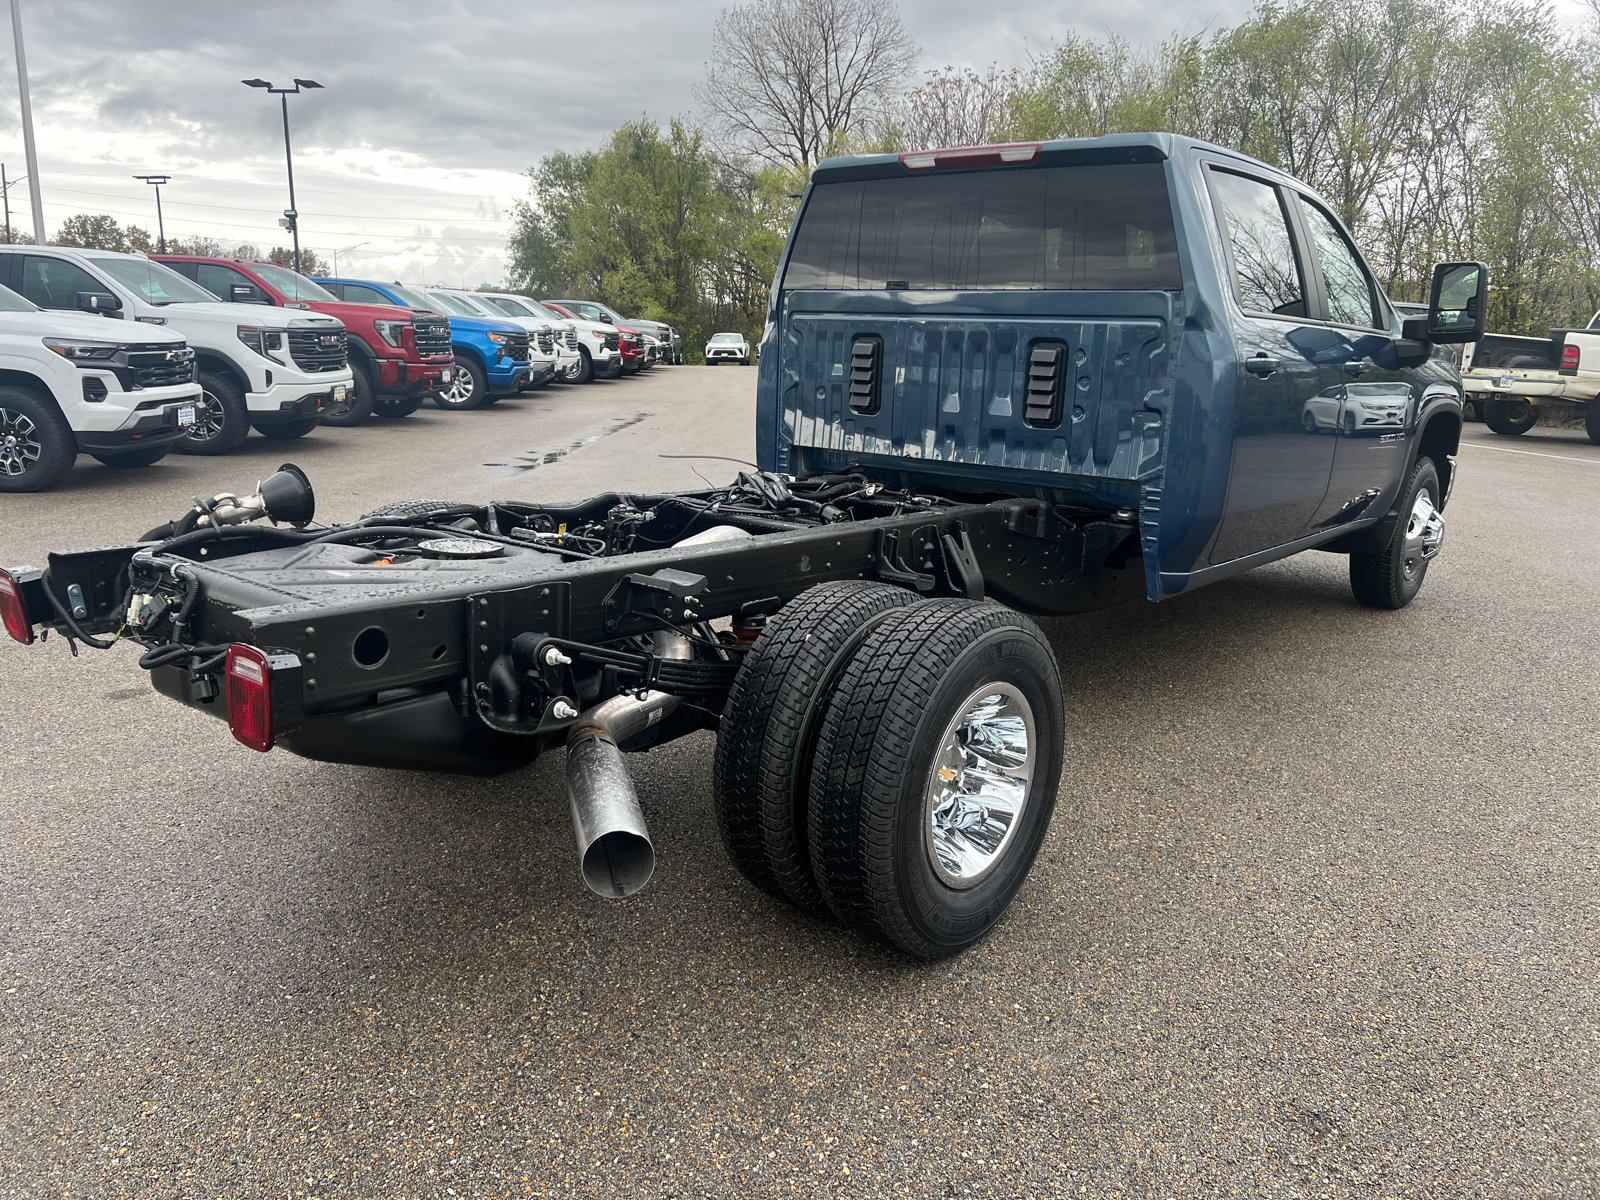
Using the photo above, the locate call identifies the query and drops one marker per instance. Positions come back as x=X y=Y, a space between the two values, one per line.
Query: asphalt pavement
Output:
x=1318 y=916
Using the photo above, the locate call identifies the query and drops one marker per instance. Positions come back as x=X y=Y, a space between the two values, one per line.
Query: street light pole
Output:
x=291 y=218
x=27 y=125
x=161 y=228
x=346 y=250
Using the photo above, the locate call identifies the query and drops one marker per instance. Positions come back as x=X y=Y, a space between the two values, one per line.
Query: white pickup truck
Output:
x=1515 y=380
x=269 y=369
x=72 y=383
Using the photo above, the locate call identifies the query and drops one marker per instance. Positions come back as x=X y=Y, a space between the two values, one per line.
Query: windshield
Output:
x=155 y=283
x=410 y=298
x=477 y=304
x=11 y=302
x=450 y=304
x=1092 y=227
x=727 y=337
x=296 y=287
x=512 y=306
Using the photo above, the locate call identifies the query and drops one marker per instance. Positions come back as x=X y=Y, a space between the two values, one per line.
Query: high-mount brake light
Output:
x=1569 y=358
x=970 y=156
x=12 y=611
x=249 y=686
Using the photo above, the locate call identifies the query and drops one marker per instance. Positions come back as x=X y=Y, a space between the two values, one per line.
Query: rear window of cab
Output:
x=1098 y=228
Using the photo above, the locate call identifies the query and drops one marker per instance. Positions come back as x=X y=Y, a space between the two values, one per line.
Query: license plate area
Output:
x=186 y=416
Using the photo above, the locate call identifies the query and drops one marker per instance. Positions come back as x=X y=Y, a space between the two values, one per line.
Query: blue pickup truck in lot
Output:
x=493 y=358
x=995 y=381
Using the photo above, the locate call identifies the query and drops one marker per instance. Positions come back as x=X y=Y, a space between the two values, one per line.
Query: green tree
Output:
x=100 y=231
x=310 y=263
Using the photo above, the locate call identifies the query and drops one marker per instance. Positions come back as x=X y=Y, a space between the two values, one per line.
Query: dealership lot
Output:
x=1318 y=913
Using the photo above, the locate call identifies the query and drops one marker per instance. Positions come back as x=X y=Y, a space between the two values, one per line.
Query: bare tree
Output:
x=959 y=108
x=788 y=79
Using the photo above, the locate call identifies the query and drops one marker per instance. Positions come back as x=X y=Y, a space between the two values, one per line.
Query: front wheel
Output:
x=467 y=388
x=936 y=774
x=149 y=456
x=359 y=401
x=290 y=429
x=37 y=448
x=222 y=422
x=1393 y=577
x=1510 y=417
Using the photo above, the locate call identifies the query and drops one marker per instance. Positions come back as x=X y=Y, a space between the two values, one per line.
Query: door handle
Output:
x=1260 y=365
x=1357 y=368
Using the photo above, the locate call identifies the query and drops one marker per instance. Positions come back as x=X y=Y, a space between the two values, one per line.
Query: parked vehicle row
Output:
x=195 y=370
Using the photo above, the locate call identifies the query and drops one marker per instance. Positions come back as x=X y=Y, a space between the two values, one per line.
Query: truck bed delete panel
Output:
x=954 y=391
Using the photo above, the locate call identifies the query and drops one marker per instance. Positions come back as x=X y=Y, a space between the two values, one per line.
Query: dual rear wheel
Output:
x=892 y=761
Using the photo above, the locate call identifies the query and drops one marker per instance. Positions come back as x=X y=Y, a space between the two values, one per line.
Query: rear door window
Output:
x=55 y=282
x=1266 y=275
x=1351 y=297
x=1058 y=228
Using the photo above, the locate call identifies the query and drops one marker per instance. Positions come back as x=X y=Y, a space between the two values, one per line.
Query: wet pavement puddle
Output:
x=534 y=459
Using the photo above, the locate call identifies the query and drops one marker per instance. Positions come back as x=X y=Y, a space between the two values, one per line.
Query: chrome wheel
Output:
x=1424 y=535
x=20 y=447
x=463 y=387
x=979 y=784
x=209 y=418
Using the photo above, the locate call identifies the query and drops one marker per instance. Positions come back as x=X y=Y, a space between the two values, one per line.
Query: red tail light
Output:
x=12 y=610
x=1569 y=358
x=249 y=685
x=970 y=156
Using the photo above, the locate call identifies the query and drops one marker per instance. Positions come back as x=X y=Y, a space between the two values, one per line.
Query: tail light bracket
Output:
x=265 y=694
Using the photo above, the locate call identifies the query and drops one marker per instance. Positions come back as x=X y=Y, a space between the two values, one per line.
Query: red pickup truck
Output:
x=400 y=356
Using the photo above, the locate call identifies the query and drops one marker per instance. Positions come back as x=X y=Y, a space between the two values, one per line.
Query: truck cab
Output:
x=273 y=370
x=1143 y=324
x=397 y=359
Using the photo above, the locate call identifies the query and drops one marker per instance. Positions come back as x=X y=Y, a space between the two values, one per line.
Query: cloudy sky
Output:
x=432 y=111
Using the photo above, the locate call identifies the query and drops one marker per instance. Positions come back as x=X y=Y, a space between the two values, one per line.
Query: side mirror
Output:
x=1458 y=308
x=103 y=303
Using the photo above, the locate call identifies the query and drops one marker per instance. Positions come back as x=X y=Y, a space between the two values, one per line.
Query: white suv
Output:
x=727 y=347
x=273 y=369
x=78 y=384
x=569 y=363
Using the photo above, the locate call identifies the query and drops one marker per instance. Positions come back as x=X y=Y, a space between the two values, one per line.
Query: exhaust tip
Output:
x=618 y=864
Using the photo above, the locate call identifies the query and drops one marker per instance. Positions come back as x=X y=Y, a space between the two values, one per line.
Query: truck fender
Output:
x=1438 y=437
x=217 y=365
x=27 y=379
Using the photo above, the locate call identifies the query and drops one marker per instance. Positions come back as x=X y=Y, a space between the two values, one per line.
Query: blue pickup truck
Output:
x=995 y=381
x=493 y=358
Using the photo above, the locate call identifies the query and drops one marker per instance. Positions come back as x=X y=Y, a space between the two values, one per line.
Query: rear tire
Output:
x=1498 y=416
x=37 y=448
x=290 y=429
x=1392 y=578
x=222 y=420
x=761 y=775
x=907 y=848
x=363 y=396
x=467 y=390
x=135 y=458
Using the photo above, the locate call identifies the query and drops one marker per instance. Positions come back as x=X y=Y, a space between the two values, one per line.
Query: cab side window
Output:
x=1266 y=274
x=55 y=283
x=220 y=281
x=354 y=293
x=1351 y=299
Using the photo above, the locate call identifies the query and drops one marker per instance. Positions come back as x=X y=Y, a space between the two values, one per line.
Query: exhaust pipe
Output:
x=615 y=854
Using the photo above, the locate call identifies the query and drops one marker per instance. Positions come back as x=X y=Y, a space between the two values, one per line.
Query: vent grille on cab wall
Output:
x=1047 y=369
x=866 y=374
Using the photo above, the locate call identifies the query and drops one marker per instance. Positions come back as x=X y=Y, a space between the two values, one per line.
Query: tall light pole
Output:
x=346 y=250
x=161 y=228
x=27 y=126
x=291 y=218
